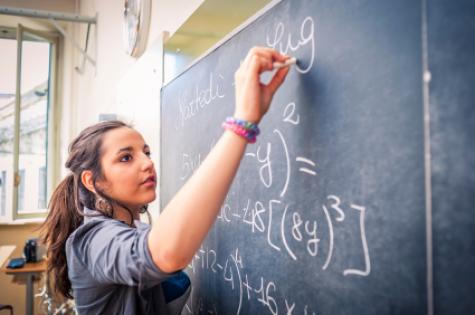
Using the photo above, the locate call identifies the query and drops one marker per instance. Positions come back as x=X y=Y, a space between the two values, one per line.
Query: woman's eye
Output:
x=148 y=153
x=126 y=158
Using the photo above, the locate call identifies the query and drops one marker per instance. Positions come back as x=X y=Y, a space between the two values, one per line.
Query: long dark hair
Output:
x=71 y=196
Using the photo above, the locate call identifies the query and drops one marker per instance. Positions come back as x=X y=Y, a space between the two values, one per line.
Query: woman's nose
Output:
x=147 y=162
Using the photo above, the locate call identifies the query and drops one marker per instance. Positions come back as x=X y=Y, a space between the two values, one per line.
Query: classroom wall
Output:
x=119 y=84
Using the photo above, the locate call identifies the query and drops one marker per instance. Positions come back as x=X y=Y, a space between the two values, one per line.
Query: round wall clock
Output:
x=136 y=25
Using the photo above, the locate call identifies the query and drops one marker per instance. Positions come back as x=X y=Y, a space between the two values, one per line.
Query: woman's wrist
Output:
x=244 y=128
x=250 y=117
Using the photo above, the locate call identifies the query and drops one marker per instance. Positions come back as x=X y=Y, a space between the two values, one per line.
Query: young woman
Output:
x=99 y=253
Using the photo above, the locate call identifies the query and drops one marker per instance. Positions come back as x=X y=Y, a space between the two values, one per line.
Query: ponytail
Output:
x=63 y=218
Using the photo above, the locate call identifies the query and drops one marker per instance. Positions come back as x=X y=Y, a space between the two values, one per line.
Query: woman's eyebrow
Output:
x=130 y=148
x=126 y=149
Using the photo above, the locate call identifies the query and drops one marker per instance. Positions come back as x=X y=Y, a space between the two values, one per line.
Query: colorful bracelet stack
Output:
x=243 y=128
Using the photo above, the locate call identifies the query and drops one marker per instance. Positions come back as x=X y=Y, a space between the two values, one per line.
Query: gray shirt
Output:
x=112 y=272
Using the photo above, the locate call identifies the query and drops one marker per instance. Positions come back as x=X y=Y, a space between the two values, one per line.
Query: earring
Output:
x=103 y=205
x=143 y=209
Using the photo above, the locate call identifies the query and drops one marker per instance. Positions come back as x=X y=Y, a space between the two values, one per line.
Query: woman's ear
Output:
x=86 y=179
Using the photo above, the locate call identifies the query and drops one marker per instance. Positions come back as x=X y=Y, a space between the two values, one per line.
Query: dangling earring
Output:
x=103 y=205
x=143 y=209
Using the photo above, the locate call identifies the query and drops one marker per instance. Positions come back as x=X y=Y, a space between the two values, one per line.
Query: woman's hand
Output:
x=252 y=97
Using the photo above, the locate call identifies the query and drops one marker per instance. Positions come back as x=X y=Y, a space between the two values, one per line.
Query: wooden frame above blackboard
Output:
x=218 y=44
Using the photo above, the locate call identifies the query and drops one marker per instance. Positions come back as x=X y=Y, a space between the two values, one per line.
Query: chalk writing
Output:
x=191 y=105
x=285 y=42
x=248 y=287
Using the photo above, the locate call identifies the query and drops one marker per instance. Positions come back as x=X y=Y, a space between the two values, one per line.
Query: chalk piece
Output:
x=288 y=62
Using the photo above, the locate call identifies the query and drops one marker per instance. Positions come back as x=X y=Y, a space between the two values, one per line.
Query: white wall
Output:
x=121 y=84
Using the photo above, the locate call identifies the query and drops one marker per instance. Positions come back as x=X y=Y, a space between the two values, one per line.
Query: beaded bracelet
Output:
x=243 y=128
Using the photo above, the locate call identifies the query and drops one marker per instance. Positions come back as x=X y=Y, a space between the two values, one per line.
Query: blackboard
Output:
x=451 y=51
x=357 y=197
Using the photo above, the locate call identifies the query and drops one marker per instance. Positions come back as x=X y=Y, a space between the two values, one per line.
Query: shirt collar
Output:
x=91 y=214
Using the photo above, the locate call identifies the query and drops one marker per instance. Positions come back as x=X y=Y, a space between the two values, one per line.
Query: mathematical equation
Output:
x=261 y=215
x=231 y=271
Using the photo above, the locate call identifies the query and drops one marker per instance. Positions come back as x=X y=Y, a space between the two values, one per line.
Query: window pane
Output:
x=3 y=193
x=33 y=122
x=7 y=111
x=42 y=188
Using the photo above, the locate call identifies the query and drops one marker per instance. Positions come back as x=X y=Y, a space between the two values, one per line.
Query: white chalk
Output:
x=288 y=62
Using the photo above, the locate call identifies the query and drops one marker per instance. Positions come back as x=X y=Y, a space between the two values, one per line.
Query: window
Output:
x=26 y=120
x=3 y=193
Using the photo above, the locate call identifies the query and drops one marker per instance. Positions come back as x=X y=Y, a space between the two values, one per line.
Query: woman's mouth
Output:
x=150 y=181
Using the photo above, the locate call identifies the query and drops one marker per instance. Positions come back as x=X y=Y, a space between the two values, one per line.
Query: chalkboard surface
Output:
x=451 y=52
x=332 y=211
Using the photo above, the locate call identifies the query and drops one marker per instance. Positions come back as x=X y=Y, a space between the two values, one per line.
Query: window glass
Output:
x=35 y=60
x=8 y=48
x=35 y=65
x=3 y=193
x=42 y=188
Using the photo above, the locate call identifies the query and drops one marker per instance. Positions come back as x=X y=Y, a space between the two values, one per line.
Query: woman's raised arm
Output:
x=184 y=223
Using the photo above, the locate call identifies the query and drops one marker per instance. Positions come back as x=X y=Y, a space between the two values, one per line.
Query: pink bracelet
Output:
x=245 y=129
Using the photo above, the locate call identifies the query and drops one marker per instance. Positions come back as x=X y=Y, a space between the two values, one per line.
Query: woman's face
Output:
x=129 y=173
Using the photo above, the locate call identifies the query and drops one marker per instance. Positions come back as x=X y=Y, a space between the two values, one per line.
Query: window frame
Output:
x=13 y=215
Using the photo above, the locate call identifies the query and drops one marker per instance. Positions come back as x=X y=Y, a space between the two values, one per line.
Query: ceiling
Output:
x=210 y=23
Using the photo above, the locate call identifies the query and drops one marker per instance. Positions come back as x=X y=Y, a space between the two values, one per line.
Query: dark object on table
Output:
x=15 y=263
x=33 y=251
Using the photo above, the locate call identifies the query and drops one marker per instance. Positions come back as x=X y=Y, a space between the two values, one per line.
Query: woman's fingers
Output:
x=264 y=52
x=259 y=64
x=277 y=80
